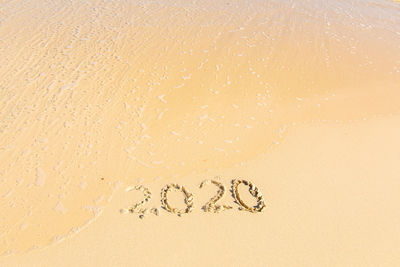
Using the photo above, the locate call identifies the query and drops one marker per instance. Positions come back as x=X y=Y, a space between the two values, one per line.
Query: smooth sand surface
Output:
x=100 y=95
x=332 y=200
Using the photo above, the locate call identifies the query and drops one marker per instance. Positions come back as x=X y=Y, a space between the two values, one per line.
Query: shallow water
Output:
x=97 y=92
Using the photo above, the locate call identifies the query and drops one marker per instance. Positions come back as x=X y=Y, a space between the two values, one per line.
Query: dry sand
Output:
x=332 y=200
x=299 y=97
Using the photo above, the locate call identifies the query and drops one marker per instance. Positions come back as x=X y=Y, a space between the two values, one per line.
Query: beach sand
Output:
x=331 y=193
x=299 y=97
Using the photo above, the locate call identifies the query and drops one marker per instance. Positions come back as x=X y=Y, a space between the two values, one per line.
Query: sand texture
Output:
x=104 y=100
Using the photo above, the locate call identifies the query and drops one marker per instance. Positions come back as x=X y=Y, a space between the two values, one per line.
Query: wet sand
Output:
x=100 y=95
x=332 y=199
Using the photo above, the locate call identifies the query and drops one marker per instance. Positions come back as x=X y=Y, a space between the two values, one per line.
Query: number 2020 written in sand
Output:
x=210 y=206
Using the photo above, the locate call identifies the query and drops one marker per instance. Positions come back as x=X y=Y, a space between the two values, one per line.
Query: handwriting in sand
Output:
x=210 y=206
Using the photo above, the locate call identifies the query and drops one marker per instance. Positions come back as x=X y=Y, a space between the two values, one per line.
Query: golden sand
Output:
x=97 y=93
x=332 y=199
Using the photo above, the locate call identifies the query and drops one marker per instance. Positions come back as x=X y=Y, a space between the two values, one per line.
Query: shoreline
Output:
x=334 y=205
